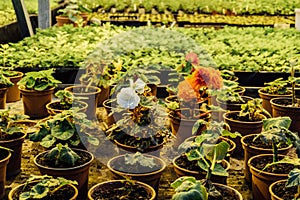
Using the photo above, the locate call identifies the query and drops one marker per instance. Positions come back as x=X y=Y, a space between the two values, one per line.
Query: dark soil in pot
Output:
x=84 y=158
x=283 y=192
x=226 y=194
x=183 y=162
x=119 y=165
x=123 y=191
x=139 y=143
x=235 y=116
x=58 y=106
x=64 y=193
x=6 y=137
x=281 y=168
x=259 y=144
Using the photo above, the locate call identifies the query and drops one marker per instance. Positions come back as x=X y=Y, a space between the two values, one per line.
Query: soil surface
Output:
x=284 y=192
x=100 y=173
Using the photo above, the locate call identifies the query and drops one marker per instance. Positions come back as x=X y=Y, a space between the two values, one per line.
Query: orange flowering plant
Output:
x=192 y=91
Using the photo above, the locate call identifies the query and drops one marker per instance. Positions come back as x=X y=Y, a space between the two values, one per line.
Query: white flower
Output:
x=138 y=85
x=127 y=98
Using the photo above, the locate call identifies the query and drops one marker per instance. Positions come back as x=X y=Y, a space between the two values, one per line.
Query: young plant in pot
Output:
x=188 y=187
x=140 y=167
x=289 y=106
x=246 y=121
x=121 y=189
x=205 y=157
x=12 y=136
x=44 y=187
x=69 y=127
x=267 y=168
x=255 y=144
x=13 y=92
x=274 y=89
x=143 y=122
x=185 y=107
x=36 y=89
x=5 y=155
x=5 y=83
x=287 y=189
x=74 y=13
x=231 y=99
x=66 y=101
x=62 y=161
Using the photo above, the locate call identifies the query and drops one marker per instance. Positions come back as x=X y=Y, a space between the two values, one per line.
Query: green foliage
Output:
x=276 y=131
x=7 y=123
x=69 y=127
x=139 y=159
x=45 y=186
x=4 y=81
x=62 y=155
x=188 y=187
x=278 y=86
x=73 y=10
x=253 y=110
x=39 y=80
x=66 y=98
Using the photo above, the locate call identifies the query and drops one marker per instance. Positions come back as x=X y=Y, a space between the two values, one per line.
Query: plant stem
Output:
x=275 y=152
x=293 y=86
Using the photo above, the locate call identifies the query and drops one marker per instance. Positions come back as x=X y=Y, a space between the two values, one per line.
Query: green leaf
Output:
x=293 y=178
x=48 y=141
x=219 y=170
x=180 y=180
x=192 y=194
x=93 y=140
x=277 y=122
x=59 y=132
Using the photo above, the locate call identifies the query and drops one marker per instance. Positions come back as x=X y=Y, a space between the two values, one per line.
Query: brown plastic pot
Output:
x=233 y=192
x=52 y=107
x=62 y=20
x=13 y=93
x=114 y=184
x=214 y=178
x=19 y=188
x=280 y=109
x=111 y=117
x=182 y=128
x=266 y=98
x=150 y=178
x=78 y=173
x=271 y=189
x=250 y=151
x=3 y=94
x=244 y=128
x=89 y=95
x=4 y=159
x=14 y=165
x=261 y=180
x=35 y=102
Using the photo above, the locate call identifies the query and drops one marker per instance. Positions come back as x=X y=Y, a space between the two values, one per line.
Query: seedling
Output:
x=276 y=131
x=62 y=155
x=252 y=110
x=46 y=186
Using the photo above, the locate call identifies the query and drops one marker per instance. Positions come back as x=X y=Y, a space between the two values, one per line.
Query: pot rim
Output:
x=260 y=91
x=16 y=139
x=196 y=172
x=6 y=159
x=66 y=168
x=48 y=105
x=282 y=106
x=259 y=148
x=70 y=88
x=153 y=193
x=260 y=171
x=272 y=185
x=22 y=88
x=162 y=168
x=231 y=188
x=241 y=122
